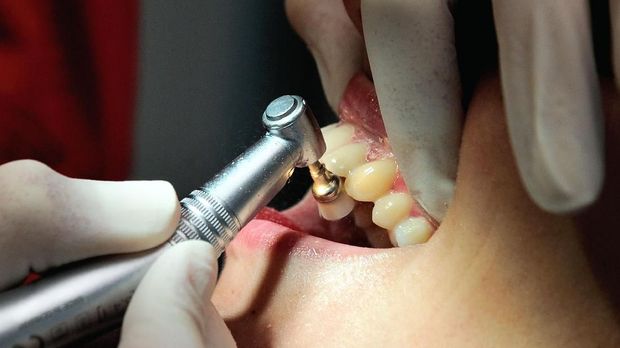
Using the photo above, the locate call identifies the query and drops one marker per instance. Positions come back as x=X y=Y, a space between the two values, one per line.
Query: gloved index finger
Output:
x=413 y=59
x=552 y=99
x=47 y=219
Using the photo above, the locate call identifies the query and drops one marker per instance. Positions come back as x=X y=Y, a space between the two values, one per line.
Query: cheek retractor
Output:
x=92 y=297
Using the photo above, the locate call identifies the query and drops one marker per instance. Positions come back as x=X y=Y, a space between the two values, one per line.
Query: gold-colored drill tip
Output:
x=327 y=185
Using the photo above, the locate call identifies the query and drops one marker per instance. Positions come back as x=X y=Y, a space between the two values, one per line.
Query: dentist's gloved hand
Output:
x=412 y=54
x=552 y=98
x=47 y=219
x=172 y=307
x=549 y=85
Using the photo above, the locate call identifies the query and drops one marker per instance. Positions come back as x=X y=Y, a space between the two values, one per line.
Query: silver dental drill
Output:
x=74 y=305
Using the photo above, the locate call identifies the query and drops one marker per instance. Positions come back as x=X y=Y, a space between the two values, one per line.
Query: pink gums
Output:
x=359 y=105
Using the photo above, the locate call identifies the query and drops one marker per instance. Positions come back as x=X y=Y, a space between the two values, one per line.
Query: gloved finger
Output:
x=552 y=99
x=333 y=41
x=614 y=13
x=47 y=219
x=172 y=307
x=413 y=59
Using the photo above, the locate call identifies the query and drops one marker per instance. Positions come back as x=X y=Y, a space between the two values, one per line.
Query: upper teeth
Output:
x=369 y=182
x=346 y=158
x=337 y=135
x=391 y=209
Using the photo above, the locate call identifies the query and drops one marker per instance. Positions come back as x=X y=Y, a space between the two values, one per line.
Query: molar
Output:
x=391 y=209
x=337 y=135
x=343 y=160
x=370 y=181
x=413 y=230
x=338 y=209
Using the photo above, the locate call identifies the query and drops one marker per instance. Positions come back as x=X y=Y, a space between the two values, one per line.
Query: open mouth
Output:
x=375 y=208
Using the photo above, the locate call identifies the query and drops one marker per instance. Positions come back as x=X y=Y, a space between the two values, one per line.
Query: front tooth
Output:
x=370 y=181
x=343 y=160
x=336 y=210
x=413 y=230
x=391 y=208
x=336 y=136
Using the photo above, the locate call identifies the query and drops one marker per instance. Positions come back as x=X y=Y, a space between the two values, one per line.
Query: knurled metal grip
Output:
x=216 y=211
x=204 y=217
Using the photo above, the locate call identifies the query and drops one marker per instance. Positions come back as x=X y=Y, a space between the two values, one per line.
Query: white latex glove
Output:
x=413 y=59
x=47 y=219
x=552 y=98
x=172 y=307
x=549 y=86
x=412 y=55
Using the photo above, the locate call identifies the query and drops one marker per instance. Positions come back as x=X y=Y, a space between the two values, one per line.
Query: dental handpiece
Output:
x=81 y=302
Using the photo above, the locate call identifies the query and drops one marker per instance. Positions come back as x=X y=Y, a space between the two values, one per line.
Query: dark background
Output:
x=208 y=69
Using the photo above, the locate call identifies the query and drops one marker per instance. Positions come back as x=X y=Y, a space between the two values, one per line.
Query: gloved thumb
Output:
x=171 y=307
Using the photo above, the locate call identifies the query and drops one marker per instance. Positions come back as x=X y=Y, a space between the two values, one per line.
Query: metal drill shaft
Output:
x=91 y=298
x=216 y=211
x=293 y=139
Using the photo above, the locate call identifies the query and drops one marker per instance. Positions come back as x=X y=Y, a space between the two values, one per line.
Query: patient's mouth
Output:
x=374 y=193
x=375 y=208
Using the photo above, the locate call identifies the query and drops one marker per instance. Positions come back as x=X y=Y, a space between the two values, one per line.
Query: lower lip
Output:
x=267 y=236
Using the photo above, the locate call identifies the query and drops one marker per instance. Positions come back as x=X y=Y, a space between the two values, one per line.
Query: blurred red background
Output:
x=68 y=84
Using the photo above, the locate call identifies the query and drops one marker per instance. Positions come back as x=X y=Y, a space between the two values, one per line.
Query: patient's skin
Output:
x=498 y=272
